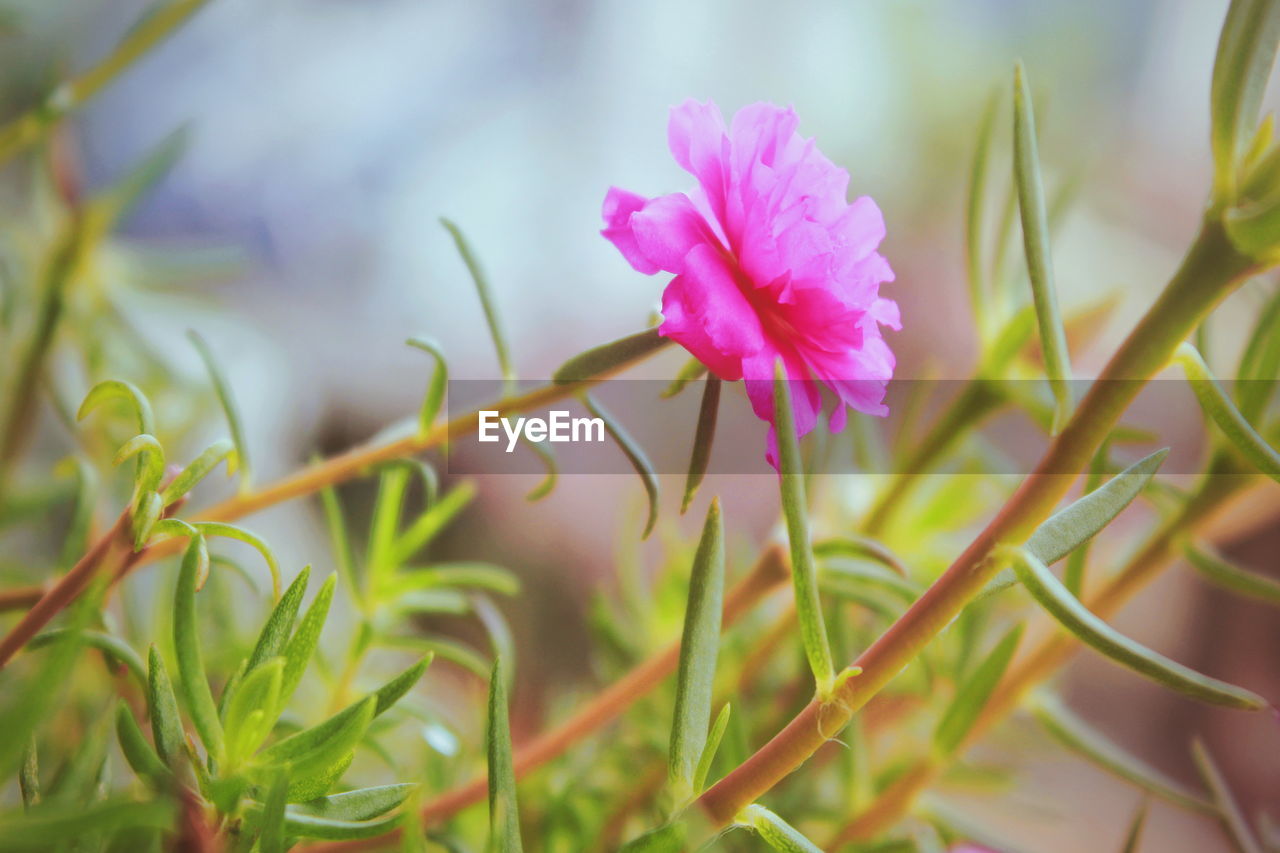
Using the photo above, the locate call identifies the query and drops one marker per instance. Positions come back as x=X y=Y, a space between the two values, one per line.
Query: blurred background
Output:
x=299 y=234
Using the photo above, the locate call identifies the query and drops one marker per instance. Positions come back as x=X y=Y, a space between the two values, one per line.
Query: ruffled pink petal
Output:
x=619 y=207
x=699 y=142
x=705 y=311
x=667 y=228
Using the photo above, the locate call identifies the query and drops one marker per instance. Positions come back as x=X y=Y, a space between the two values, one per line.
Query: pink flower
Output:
x=770 y=262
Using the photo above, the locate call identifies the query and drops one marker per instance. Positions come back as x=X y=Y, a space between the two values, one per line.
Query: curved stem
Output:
x=1211 y=270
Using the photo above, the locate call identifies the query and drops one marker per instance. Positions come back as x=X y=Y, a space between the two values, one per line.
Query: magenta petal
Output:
x=699 y=142
x=667 y=229
x=619 y=207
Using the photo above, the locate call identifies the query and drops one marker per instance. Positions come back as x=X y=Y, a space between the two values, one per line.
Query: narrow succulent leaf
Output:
x=434 y=519
x=973 y=694
x=314 y=770
x=230 y=410
x=1229 y=810
x=279 y=625
x=146 y=513
x=635 y=455
x=547 y=486
x=1074 y=617
x=709 y=750
x=699 y=646
x=501 y=641
x=115 y=389
x=193 y=682
x=692 y=371
x=433 y=400
x=1078 y=560
x=1246 y=54
x=668 y=838
x=976 y=211
x=344 y=555
x=302 y=645
x=141 y=756
x=1079 y=737
x=328 y=829
x=1035 y=237
x=1259 y=366
x=308 y=740
x=455 y=652
x=252 y=709
x=273 y=832
x=1254 y=229
x=113 y=647
x=358 y=805
x=52 y=827
x=387 y=509
x=230 y=531
x=199 y=468
x=1072 y=526
x=504 y=816
x=861 y=547
x=703 y=437
x=162 y=707
x=1216 y=569
x=804 y=572
x=150 y=464
x=29 y=774
x=466 y=575
x=487 y=303
x=1219 y=407
x=599 y=362
x=1133 y=838
x=775 y=831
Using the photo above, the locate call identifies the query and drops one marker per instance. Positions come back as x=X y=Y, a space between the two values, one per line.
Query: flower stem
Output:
x=1211 y=269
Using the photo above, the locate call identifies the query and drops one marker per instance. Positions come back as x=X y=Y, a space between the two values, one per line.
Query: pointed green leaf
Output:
x=973 y=694
x=692 y=370
x=199 y=468
x=230 y=411
x=434 y=398
x=114 y=389
x=1246 y=53
x=313 y=773
x=776 y=832
x=1220 y=572
x=1078 y=559
x=149 y=507
x=606 y=359
x=635 y=455
x=252 y=709
x=804 y=573
x=162 y=705
x=1229 y=810
x=275 y=633
x=504 y=815
x=358 y=805
x=710 y=749
x=1134 y=836
x=302 y=645
x=703 y=437
x=487 y=302
x=387 y=508
x=699 y=646
x=272 y=830
x=140 y=755
x=434 y=519
x=1076 y=618
x=1035 y=237
x=193 y=683
x=1218 y=406
x=1079 y=737
x=976 y=211
x=308 y=740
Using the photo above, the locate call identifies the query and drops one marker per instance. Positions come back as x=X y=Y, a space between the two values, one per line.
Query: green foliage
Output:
x=504 y=814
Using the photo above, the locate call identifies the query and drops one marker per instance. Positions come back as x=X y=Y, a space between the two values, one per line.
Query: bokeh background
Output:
x=299 y=234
